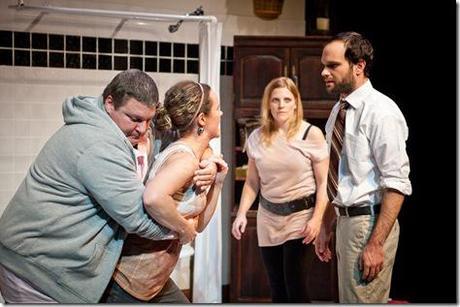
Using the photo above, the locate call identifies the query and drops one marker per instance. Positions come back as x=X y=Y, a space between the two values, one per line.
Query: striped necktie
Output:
x=336 y=149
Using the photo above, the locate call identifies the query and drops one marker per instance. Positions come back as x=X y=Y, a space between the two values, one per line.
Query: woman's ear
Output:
x=201 y=119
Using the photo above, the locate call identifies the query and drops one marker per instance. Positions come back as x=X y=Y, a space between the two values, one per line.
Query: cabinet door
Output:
x=254 y=68
x=306 y=70
x=249 y=282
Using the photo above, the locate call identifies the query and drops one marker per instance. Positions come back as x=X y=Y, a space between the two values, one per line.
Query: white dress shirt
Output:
x=374 y=150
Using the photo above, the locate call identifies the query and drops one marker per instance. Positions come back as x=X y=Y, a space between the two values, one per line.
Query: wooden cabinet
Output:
x=255 y=67
x=252 y=282
x=257 y=60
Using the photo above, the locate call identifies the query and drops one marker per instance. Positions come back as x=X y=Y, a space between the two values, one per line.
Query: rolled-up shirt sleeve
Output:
x=388 y=142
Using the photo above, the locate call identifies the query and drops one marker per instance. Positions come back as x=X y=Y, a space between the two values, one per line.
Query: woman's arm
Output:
x=174 y=174
x=213 y=194
x=320 y=169
x=249 y=194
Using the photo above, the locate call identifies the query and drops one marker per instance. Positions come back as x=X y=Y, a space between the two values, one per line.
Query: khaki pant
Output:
x=352 y=236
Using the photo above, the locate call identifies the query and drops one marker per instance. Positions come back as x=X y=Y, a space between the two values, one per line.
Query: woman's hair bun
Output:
x=162 y=119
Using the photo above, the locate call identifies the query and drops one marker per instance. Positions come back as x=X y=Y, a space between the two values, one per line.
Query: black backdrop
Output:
x=416 y=64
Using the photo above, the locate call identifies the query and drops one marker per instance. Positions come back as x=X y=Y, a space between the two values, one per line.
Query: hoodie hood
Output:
x=86 y=110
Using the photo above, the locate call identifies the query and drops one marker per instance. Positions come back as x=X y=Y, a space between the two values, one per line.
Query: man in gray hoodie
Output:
x=62 y=233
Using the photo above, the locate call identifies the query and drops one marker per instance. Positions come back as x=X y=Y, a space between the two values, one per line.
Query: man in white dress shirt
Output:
x=372 y=175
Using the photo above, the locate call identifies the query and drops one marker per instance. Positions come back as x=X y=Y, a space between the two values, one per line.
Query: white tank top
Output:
x=186 y=200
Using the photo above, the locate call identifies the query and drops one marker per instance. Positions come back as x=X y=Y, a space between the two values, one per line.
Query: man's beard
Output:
x=346 y=86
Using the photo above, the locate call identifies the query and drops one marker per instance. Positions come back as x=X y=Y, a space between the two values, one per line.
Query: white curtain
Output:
x=207 y=273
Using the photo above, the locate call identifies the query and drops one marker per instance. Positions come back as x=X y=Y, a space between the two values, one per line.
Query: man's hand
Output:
x=222 y=169
x=321 y=243
x=194 y=221
x=188 y=233
x=372 y=261
x=206 y=175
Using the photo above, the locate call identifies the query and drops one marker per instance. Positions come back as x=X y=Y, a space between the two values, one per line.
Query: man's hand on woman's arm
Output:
x=206 y=174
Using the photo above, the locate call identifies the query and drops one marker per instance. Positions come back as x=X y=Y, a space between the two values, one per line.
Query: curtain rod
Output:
x=109 y=13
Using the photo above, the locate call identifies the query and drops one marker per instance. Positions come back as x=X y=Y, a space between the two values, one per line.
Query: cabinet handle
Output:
x=285 y=70
x=294 y=76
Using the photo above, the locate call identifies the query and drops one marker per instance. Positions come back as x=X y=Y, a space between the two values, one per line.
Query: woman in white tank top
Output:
x=142 y=274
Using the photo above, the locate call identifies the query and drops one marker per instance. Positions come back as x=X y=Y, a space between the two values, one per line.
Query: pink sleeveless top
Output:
x=286 y=173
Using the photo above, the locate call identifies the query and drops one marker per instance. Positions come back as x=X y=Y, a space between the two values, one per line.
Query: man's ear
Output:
x=359 y=67
x=108 y=104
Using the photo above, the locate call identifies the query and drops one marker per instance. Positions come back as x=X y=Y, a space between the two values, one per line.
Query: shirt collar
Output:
x=356 y=98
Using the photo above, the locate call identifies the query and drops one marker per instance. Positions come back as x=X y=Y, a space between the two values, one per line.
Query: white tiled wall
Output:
x=31 y=101
x=31 y=98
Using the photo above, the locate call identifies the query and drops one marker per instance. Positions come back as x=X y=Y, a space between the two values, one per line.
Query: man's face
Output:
x=133 y=118
x=338 y=73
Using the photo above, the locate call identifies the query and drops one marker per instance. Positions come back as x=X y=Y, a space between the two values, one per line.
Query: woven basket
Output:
x=268 y=9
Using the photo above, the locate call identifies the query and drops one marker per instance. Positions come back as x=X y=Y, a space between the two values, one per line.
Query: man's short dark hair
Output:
x=132 y=83
x=357 y=47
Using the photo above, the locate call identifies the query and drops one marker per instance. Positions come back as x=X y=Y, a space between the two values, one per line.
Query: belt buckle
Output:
x=306 y=203
x=338 y=213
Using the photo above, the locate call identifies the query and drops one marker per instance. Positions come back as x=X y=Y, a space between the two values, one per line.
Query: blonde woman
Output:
x=287 y=163
x=192 y=110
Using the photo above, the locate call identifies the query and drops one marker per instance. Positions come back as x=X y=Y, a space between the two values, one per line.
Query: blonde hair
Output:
x=267 y=122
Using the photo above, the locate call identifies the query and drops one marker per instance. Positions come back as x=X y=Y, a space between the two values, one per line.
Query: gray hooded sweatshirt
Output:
x=64 y=228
